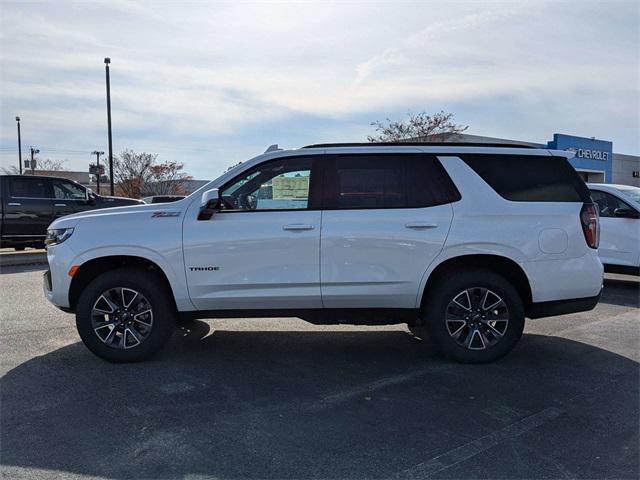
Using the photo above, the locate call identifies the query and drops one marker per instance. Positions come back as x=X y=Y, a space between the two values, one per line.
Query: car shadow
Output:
x=621 y=291
x=322 y=404
x=34 y=267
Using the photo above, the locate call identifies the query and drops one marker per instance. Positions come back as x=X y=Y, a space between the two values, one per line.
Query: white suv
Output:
x=619 y=208
x=462 y=241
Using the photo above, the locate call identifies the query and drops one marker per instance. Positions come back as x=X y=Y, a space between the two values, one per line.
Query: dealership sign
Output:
x=588 y=153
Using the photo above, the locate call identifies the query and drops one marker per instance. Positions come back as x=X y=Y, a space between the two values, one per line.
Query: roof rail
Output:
x=424 y=144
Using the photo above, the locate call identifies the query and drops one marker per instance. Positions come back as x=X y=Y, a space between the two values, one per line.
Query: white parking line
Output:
x=482 y=444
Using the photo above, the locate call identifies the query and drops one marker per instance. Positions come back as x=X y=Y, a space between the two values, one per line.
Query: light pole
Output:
x=97 y=154
x=19 y=147
x=107 y=61
x=33 y=162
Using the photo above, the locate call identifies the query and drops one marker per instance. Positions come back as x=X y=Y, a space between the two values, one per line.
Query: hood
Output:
x=142 y=209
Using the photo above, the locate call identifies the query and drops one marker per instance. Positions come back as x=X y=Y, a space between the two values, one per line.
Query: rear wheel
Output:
x=19 y=249
x=474 y=316
x=125 y=315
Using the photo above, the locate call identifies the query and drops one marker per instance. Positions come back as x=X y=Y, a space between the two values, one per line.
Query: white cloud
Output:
x=183 y=74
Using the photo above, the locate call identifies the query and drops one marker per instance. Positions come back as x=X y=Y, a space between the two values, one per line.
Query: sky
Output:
x=210 y=84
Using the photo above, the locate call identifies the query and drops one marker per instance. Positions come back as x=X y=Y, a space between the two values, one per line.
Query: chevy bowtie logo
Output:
x=203 y=269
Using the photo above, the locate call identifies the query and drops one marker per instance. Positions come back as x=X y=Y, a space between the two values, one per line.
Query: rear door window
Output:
x=530 y=178
x=368 y=182
x=375 y=181
x=25 y=187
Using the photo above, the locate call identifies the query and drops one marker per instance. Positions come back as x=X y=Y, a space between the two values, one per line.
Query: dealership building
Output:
x=594 y=159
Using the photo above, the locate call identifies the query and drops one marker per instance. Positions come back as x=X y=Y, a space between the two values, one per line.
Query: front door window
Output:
x=278 y=185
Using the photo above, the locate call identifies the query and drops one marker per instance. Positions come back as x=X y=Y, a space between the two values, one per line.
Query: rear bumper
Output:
x=562 y=307
x=564 y=279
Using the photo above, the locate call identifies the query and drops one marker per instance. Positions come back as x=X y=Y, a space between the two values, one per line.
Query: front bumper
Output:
x=56 y=281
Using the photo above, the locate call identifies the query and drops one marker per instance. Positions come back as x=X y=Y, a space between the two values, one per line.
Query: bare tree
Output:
x=42 y=165
x=167 y=178
x=139 y=174
x=12 y=170
x=50 y=164
x=131 y=171
x=418 y=127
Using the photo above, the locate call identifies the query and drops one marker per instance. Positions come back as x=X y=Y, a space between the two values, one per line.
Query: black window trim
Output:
x=329 y=169
x=321 y=164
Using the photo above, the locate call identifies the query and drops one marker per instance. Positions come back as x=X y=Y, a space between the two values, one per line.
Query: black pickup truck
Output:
x=30 y=203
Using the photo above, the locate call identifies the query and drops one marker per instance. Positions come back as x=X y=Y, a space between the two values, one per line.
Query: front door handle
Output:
x=14 y=204
x=420 y=225
x=298 y=226
x=60 y=204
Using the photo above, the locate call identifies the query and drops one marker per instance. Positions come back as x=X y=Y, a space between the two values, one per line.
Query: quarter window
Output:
x=530 y=178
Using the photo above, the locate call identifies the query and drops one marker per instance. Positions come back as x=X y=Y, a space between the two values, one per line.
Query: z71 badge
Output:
x=165 y=214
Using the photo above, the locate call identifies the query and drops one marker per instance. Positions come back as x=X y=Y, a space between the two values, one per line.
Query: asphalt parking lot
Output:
x=279 y=398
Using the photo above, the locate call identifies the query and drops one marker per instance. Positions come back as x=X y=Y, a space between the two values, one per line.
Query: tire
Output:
x=19 y=249
x=482 y=334
x=133 y=332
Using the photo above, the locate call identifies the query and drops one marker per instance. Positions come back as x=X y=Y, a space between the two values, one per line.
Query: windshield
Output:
x=632 y=192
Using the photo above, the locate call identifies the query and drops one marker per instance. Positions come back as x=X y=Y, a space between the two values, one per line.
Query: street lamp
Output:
x=97 y=154
x=107 y=61
x=19 y=147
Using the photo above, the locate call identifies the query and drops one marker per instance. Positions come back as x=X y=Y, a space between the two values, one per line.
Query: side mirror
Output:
x=625 y=213
x=209 y=203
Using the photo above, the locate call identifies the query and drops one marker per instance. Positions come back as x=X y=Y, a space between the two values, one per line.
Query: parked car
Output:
x=460 y=241
x=162 y=198
x=30 y=203
x=619 y=208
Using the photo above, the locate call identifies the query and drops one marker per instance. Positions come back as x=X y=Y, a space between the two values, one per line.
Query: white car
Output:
x=462 y=241
x=619 y=208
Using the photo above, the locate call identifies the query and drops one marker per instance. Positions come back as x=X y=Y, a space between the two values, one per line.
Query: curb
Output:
x=17 y=259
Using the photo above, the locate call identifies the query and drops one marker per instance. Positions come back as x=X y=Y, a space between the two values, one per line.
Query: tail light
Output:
x=590 y=224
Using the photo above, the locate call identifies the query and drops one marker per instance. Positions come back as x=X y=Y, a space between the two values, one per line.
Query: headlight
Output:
x=57 y=235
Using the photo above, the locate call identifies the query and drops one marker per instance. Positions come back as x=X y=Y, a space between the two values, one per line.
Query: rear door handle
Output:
x=14 y=204
x=420 y=225
x=61 y=204
x=298 y=226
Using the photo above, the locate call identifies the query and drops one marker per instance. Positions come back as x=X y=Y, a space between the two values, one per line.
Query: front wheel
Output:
x=125 y=315
x=474 y=316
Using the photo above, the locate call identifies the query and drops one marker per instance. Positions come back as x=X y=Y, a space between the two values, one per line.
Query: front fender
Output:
x=172 y=267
